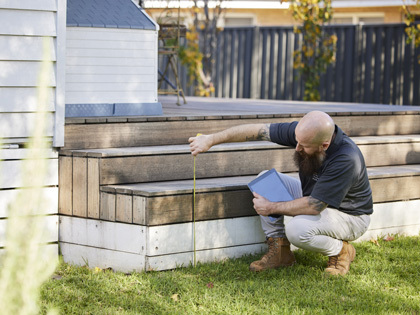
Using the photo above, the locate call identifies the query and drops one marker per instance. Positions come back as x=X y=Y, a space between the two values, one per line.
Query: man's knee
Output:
x=297 y=232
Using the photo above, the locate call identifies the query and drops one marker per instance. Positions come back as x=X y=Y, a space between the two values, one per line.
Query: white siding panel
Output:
x=50 y=230
x=31 y=23
x=103 y=87
x=17 y=125
x=19 y=154
x=23 y=99
x=111 y=53
x=110 y=97
x=101 y=70
x=102 y=61
x=45 y=5
x=18 y=73
x=24 y=48
x=12 y=174
x=107 y=44
x=111 y=66
x=50 y=195
x=107 y=78
x=110 y=34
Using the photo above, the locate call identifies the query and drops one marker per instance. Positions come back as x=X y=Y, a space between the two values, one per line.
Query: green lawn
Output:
x=384 y=279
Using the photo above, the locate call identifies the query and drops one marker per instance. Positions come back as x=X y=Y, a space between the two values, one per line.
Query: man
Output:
x=333 y=200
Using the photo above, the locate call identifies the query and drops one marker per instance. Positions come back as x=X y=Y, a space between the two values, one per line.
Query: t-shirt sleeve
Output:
x=283 y=133
x=336 y=180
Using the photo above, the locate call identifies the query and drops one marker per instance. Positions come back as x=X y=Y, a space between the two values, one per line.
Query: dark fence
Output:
x=373 y=65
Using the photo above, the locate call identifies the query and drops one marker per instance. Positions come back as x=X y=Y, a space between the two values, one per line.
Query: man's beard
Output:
x=309 y=164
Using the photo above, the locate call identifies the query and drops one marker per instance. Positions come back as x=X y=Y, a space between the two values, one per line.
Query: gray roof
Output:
x=107 y=13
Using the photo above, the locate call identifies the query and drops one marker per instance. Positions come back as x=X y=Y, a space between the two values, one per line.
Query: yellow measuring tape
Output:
x=195 y=260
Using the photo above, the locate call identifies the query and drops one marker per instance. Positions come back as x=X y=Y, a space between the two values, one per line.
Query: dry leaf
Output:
x=210 y=285
x=374 y=242
x=389 y=238
x=175 y=297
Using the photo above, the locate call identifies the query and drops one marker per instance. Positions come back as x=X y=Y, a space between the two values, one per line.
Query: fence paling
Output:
x=373 y=65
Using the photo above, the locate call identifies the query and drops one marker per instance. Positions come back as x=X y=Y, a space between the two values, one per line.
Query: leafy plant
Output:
x=412 y=30
x=318 y=47
x=199 y=53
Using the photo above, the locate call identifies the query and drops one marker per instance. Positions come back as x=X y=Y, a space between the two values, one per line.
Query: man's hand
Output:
x=200 y=144
x=262 y=205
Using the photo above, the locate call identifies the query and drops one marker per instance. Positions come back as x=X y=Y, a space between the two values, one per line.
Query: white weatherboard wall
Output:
x=24 y=25
x=107 y=65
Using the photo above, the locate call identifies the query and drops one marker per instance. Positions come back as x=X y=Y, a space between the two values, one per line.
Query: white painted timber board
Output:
x=95 y=43
x=102 y=234
x=13 y=176
x=44 y=5
x=23 y=74
x=60 y=69
x=48 y=227
x=23 y=99
x=395 y=214
x=26 y=22
x=48 y=251
x=110 y=97
x=18 y=154
x=77 y=97
x=173 y=261
x=103 y=258
x=406 y=230
x=111 y=34
x=25 y=48
x=108 y=61
x=108 y=78
x=111 y=53
x=102 y=87
x=50 y=195
x=104 y=70
x=209 y=235
x=20 y=125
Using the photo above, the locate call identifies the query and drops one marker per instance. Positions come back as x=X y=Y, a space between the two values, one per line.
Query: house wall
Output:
x=23 y=26
x=111 y=66
x=283 y=16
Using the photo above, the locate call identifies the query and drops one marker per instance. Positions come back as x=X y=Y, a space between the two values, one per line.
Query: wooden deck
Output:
x=199 y=106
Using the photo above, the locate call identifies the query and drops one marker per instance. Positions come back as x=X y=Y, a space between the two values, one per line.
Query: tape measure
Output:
x=195 y=260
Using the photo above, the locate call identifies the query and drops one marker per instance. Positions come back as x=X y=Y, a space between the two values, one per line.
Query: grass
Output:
x=384 y=279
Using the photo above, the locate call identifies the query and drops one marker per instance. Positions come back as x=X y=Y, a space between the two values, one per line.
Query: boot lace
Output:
x=272 y=245
x=333 y=261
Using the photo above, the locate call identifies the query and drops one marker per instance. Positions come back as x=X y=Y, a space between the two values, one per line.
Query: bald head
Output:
x=315 y=127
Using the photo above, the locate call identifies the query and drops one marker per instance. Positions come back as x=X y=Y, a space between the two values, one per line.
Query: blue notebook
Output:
x=270 y=186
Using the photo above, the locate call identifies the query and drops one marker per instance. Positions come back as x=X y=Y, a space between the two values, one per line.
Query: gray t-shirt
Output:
x=342 y=181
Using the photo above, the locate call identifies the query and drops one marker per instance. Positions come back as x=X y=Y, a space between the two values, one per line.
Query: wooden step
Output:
x=83 y=172
x=153 y=204
x=112 y=132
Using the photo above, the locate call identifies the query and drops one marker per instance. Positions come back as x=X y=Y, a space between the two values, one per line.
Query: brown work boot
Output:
x=340 y=264
x=278 y=255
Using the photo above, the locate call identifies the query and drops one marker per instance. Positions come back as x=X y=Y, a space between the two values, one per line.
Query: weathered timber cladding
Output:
x=65 y=202
x=126 y=134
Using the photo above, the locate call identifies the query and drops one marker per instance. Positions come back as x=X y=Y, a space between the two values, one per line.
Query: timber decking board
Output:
x=251 y=145
x=80 y=189
x=145 y=164
x=93 y=187
x=230 y=197
x=65 y=184
x=113 y=135
x=108 y=204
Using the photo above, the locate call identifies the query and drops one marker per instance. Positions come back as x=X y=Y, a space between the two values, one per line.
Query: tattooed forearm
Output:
x=316 y=204
x=264 y=133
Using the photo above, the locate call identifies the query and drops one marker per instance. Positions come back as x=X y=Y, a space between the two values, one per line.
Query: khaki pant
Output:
x=322 y=233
